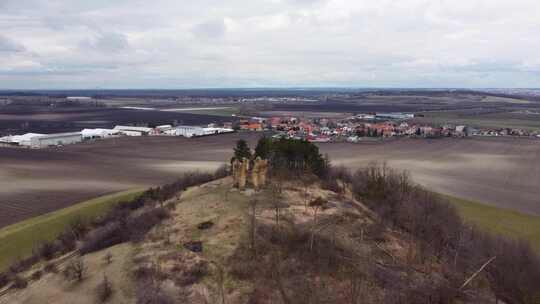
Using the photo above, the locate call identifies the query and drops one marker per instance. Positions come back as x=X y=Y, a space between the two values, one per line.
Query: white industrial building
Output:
x=98 y=133
x=35 y=140
x=193 y=131
x=163 y=128
x=19 y=140
x=186 y=131
x=57 y=139
x=134 y=131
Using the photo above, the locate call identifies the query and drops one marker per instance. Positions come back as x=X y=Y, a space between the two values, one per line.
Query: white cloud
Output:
x=213 y=43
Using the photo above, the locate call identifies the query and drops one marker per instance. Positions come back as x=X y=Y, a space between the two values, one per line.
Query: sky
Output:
x=175 y=44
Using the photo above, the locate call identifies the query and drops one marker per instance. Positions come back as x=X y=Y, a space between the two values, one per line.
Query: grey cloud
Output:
x=211 y=29
x=8 y=45
x=216 y=43
x=107 y=42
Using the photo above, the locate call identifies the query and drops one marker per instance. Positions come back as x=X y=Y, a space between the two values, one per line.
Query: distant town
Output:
x=372 y=125
x=357 y=128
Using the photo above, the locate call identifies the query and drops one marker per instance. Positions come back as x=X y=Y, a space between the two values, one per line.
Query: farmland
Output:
x=504 y=172
x=19 y=239
x=511 y=119
x=501 y=171
x=499 y=221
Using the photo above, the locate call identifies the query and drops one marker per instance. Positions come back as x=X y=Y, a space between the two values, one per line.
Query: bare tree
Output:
x=276 y=203
x=316 y=205
x=307 y=180
x=252 y=226
x=104 y=290
x=75 y=270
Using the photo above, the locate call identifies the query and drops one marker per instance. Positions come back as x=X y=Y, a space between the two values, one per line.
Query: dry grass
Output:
x=53 y=288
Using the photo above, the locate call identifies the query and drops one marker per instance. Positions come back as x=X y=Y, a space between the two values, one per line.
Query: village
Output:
x=368 y=127
x=357 y=128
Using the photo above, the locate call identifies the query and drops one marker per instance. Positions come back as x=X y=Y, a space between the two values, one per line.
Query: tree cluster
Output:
x=291 y=154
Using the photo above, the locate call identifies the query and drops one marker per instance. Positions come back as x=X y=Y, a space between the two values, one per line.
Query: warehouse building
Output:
x=163 y=128
x=57 y=139
x=98 y=133
x=20 y=140
x=186 y=131
x=134 y=131
x=35 y=140
x=193 y=131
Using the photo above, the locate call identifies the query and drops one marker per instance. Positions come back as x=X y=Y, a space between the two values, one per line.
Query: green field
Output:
x=18 y=240
x=500 y=221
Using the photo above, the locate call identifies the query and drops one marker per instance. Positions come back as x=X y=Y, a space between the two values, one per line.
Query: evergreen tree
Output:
x=263 y=148
x=242 y=150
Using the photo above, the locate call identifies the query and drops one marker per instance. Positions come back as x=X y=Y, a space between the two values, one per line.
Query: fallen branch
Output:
x=476 y=273
x=386 y=251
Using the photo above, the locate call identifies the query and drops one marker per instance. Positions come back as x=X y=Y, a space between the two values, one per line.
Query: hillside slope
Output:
x=289 y=243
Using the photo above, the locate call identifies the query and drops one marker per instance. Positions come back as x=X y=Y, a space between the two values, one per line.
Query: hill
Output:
x=221 y=245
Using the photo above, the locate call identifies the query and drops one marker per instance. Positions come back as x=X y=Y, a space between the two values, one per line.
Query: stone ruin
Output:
x=241 y=171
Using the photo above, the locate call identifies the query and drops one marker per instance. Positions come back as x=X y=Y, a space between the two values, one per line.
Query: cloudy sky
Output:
x=268 y=43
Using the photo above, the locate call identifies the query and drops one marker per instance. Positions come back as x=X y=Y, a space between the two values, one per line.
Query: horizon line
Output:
x=272 y=88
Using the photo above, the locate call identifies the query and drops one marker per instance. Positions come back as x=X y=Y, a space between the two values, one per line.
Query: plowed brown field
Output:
x=503 y=172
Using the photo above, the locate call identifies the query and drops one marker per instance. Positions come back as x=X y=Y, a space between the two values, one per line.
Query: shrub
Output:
x=104 y=290
x=148 y=286
x=5 y=278
x=37 y=275
x=78 y=227
x=103 y=237
x=193 y=273
x=150 y=292
x=331 y=184
x=50 y=268
x=75 y=270
x=67 y=241
x=24 y=264
x=138 y=226
x=47 y=250
x=19 y=282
